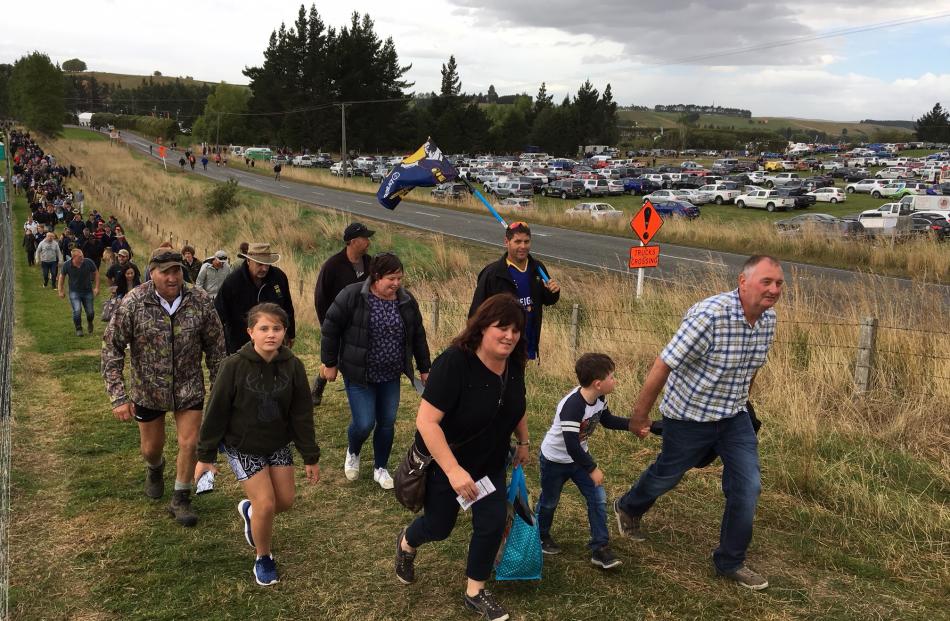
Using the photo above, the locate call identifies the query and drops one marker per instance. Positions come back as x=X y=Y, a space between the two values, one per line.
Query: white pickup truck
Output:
x=780 y=179
x=770 y=200
x=305 y=161
x=888 y=219
x=721 y=193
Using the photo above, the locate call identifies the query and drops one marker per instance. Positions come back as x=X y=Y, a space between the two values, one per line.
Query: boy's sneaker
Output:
x=405 y=561
x=244 y=509
x=381 y=476
x=628 y=525
x=265 y=571
x=747 y=578
x=484 y=604
x=78 y=331
x=548 y=545
x=154 y=480
x=351 y=467
x=604 y=557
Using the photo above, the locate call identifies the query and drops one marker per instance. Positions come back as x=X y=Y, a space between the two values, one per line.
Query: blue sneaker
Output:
x=244 y=508
x=265 y=571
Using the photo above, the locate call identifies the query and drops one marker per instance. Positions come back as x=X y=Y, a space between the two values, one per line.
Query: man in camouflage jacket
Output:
x=167 y=326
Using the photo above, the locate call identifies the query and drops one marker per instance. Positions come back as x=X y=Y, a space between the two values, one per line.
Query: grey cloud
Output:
x=660 y=32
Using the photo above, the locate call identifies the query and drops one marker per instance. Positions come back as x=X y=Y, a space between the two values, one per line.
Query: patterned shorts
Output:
x=245 y=465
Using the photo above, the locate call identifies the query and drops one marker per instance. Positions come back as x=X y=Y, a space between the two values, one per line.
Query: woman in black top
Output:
x=473 y=401
x=129 y=279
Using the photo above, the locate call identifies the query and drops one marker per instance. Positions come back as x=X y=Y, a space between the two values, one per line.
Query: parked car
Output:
x=379 y=173
x=894 y=173
x=770 y=200
x=518 y=204
x=337 y=170
x=722 y=192
x=802 y=198
x=934 y=225
x=303 y=161
x=829 y=195
x=565 y=188
x=453 y=191
x=864 y=186
x=504 y=189
x=640 y=185
x=595 y=187
x=821 y=223
x=696 y=197
x=615 y=187
x=677 y=208
x=596 y=211
x=661 y=196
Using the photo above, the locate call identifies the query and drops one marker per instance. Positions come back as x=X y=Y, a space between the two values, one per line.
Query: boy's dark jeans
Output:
x=553 y=478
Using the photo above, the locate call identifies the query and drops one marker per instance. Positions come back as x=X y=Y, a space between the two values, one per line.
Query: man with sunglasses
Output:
x=167 y=326
x=517 y=273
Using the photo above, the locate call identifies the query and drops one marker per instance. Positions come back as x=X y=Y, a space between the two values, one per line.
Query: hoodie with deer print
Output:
x=258 y=407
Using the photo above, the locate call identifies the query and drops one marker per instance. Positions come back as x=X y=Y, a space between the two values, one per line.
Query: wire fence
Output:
x=6 y=385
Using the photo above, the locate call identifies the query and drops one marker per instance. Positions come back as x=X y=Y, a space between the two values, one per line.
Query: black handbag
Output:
x=409 y=481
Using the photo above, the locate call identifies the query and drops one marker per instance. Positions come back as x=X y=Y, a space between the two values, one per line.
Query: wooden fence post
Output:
x=300 y=288
x=864 y=360
x=574 y=314
x=435 y=315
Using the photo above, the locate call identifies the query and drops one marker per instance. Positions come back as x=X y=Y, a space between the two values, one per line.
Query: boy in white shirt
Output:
x=564 y=455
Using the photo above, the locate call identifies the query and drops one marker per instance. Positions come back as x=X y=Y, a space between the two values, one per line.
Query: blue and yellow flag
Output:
x=426 y=167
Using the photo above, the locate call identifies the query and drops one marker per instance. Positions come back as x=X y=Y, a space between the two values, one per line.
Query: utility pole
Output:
x=217 y=137
x=343 y=136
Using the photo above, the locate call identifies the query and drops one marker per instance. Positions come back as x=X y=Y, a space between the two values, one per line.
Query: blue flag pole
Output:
x=498 y=217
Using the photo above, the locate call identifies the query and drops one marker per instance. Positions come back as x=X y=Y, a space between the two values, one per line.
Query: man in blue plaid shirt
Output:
x=707 y=369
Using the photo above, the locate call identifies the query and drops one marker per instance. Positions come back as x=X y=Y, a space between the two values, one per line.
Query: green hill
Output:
x=670 y=120
x=124 y=80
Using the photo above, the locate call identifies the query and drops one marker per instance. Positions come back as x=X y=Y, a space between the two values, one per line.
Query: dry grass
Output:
x=854 y=516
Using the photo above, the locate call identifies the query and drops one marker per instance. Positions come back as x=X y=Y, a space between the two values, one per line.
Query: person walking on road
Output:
x=277 y=169
x=346 y=267
x=168 y=326
x=83 y=288
x=707 y=369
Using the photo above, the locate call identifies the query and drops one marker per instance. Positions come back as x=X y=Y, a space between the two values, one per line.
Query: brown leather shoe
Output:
x=180 y=508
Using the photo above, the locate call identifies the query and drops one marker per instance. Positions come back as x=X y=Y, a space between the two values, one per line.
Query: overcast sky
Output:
x=650 y=51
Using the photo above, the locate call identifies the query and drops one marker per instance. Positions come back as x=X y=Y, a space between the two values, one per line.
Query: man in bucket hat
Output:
x=257 y=280
x=167 y=326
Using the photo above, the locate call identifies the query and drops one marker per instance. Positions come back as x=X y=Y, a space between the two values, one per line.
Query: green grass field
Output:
x=86 y=544
x=125 y=80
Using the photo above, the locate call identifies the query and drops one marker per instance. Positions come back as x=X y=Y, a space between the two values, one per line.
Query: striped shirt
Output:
x=714 y=356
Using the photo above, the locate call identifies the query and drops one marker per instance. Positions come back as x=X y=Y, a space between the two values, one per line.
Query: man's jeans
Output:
x=373 y=405
x=50 y=271
x=684 y=443
x=553 y=478
x=79 y=301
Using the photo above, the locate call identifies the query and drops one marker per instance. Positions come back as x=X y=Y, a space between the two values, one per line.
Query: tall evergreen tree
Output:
x=492 y=96
x=37 y=94
x=451 y=83
x=934 y=125
x=6 y=72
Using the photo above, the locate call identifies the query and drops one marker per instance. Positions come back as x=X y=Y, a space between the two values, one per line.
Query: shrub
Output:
x=222 y=198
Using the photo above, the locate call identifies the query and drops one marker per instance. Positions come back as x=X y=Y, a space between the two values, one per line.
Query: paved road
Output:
x=597 y=251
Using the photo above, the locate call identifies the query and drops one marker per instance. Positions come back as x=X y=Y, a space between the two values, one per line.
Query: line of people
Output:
x=473 y=395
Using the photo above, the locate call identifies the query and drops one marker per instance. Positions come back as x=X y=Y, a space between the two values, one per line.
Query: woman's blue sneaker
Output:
x=265 y=571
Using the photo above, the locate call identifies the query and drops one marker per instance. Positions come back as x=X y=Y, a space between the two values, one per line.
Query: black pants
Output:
x=441 y=510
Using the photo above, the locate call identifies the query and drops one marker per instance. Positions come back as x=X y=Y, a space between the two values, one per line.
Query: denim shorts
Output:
x=245 y=465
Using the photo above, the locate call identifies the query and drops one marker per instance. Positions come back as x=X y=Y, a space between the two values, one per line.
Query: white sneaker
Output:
x=381 y=476
x=352 y=466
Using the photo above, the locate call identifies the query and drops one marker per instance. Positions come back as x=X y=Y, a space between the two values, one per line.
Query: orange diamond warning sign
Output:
x=646 y=223
x=644 y=256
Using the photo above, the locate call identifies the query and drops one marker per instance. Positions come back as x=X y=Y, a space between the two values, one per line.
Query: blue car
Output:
x=677 y=208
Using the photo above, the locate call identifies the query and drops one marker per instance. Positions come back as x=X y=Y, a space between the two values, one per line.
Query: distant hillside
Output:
x=123 y=80
x=670 y=120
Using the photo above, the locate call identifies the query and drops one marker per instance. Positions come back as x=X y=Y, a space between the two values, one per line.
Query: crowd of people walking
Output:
x=177 y=316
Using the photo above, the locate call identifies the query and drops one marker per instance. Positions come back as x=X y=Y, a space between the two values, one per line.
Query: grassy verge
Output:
x=852 y=522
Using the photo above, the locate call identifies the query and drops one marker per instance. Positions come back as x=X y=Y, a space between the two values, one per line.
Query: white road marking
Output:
x=363 y=202
x=422 y=213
